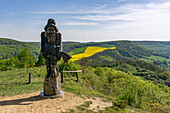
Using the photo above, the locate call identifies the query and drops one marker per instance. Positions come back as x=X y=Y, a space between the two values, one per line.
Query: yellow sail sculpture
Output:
x=91 y=50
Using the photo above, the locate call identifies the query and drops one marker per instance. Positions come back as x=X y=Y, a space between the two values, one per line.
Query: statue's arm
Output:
x=42 y=42
x=59 y=40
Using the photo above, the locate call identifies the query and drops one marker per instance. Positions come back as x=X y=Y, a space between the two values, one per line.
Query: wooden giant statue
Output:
x=51 y=44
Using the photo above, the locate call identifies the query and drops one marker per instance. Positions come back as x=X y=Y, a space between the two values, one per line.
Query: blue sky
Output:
x=87 y=20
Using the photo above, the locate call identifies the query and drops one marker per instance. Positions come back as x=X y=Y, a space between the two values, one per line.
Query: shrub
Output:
x=120 y=103
x=70 y=66
x=99 y=71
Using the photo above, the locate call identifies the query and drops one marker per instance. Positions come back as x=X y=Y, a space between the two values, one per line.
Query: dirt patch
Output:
x=33 y=103
x=99 y=104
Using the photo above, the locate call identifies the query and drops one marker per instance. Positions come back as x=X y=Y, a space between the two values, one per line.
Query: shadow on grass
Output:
x=22 y=101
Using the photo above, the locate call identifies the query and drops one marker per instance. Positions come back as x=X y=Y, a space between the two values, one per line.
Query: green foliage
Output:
x=24 y=60
x=77 y=51
x=140 y=68
x=99 y=71
x=120 y=103
x=127 y=89
x=9 y=47
x=70 y=66
x=157 y=108
x=158 y=46
x=41 y=60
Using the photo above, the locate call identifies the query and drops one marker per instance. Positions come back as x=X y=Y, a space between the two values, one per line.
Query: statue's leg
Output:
x=56 y=75
x=53 y=70
x=58 y=55
x=48 y=68
x=47 y=87
x=57 y=67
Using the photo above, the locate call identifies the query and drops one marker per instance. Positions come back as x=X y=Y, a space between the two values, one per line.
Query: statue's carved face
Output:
x=51 y=30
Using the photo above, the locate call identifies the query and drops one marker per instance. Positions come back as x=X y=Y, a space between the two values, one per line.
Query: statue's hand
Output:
x=43 y=54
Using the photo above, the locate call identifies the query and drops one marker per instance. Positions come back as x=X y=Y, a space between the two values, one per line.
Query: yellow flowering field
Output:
x=91 y=50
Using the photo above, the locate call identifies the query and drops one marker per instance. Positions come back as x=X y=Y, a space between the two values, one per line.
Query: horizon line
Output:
x=83 y=41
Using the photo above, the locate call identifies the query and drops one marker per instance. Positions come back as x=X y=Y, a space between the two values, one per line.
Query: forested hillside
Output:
x=131 y=58
x=146 y=70
x=159 y=46
x=125 y=50
x=129 y=50
x=9 y=47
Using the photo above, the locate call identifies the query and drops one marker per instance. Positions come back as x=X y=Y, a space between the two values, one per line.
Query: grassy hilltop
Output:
x=123 y=89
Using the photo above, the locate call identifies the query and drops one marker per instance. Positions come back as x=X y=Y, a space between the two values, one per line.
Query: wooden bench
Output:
x=62 y=74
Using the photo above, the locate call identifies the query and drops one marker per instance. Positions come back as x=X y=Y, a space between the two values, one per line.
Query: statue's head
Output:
x=51 y=30
x=50 y=27
x=51 y=21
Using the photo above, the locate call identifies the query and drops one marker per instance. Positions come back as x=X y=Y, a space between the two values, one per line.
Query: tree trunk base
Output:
x=52 y=85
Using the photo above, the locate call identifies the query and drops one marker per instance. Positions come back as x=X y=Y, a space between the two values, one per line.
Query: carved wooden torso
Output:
x=51 y=39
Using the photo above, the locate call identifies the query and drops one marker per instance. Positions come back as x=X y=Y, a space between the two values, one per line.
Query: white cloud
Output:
x=125 y=12
x=79 y=23
x=141 y=21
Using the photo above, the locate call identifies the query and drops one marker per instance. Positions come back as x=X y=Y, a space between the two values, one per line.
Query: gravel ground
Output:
x=33 y=103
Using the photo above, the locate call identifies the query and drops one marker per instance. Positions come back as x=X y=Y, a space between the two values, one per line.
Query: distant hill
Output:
x=127 y=50
x=159 y=46
x=124 y=49
x=153 y=46
x=130 y=50
x=9 y=47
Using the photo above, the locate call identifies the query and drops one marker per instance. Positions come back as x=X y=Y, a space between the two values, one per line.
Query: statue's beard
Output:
x=51 y=38
x=50 y=34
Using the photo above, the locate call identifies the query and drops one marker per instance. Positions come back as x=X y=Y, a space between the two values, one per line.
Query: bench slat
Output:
x=72 y=71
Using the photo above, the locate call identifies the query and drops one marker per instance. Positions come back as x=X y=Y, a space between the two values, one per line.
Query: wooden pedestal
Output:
x=52 y=85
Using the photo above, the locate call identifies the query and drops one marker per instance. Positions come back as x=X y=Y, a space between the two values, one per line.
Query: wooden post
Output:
x=62 y=74
x=77 y=76
x=29 y=79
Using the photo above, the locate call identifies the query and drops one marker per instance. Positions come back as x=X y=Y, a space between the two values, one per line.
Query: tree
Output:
x=84 y=63
x=2 y=63
x=41 y=60
x=26 y=59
